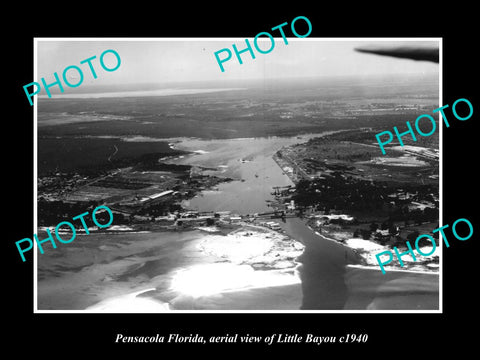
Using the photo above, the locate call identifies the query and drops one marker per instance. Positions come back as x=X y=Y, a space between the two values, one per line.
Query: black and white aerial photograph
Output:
x=259 y=188
x=200 y=180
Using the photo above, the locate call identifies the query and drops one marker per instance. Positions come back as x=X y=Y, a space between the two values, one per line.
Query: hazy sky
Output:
x=162 y=60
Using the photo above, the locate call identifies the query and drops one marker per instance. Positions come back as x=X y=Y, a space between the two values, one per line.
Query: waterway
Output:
x=323 y=261
x=323 y=267
x=248 y=161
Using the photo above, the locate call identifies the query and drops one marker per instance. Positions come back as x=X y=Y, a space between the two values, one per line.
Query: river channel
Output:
x=250 y=162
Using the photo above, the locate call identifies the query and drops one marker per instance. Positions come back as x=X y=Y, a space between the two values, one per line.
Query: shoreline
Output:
x=364 y=254
x=330 y=272
x=248 y=267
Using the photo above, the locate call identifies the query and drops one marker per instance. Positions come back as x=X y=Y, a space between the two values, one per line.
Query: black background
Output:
x=60 y=335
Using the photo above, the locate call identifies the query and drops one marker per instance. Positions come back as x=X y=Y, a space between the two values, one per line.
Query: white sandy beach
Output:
x=251 y=268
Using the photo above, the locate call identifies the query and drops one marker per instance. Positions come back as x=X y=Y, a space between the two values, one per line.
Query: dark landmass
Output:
x=89 y=155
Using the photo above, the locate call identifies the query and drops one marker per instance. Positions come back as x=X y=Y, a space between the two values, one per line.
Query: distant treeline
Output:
x=90 y=156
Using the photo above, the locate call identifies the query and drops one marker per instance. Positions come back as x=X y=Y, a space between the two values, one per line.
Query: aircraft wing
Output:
x=408 y=52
